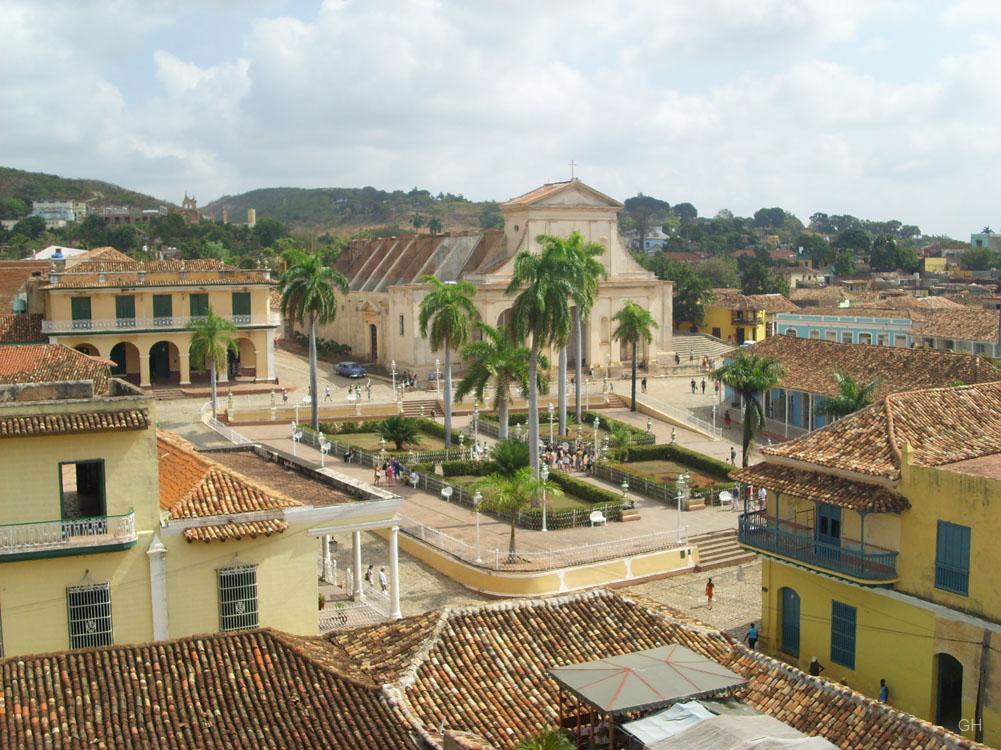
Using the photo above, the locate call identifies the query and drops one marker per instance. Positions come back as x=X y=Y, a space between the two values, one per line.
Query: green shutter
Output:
x=952 y=558
x=199 y=305
x=241 y=303
x=125 y=309
x=843 y=621
x=163 y=306
x=80 y=308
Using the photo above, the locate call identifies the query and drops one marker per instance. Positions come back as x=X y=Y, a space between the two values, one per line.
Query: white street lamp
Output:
x=462 y=440
x=649 y=424
x=437 y=376
x=682 y=482
x=545 y=478
x=296 y=437
x=604 y=446
x=393 y=368
x=477 y=499
x=552 y=412
x=625 y=488
x=597 y=422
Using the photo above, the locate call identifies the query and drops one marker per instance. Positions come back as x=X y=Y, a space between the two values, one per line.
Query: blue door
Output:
x=795 y=416
x=790 y=621
x=828 y=527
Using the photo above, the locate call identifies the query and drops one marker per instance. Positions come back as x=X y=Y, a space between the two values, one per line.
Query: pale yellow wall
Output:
x=33 y=597
x=102 y=301
x=722 y=318
x=287 y=590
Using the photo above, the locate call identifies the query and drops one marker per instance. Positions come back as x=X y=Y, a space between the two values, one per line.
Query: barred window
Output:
x=238 y=598
x=89 y=612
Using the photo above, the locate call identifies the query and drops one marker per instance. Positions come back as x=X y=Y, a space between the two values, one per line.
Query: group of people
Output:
x=383 y=581
x=407 y=380
x=578 y=456
x=391 y=469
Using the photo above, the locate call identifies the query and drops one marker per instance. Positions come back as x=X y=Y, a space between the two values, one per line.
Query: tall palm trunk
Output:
x=215 y=396
x=533 y=406
x=448 y=396
x=502 y=413
x=578 y=364
x=314 y=402
x=748 y=433
x=562 y=401
x=512 y=555
x=633 y=407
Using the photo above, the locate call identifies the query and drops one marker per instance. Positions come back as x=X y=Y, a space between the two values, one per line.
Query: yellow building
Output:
x=934 y=265
x=879 y=540
x=135 y=313
x=113 y=533
x=732 y=317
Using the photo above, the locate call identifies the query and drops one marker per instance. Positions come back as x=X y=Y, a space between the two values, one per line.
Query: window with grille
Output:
x=89 y=612
x=843 y=634
x=238 y=598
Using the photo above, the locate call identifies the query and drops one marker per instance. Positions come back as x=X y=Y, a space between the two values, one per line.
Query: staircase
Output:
x=698 y=344
x=720 y=549
x=168 y=393
x=413 y=408
x=615 y=401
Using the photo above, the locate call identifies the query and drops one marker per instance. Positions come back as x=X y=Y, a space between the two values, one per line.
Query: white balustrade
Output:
x=169 y=322
x=69 y=533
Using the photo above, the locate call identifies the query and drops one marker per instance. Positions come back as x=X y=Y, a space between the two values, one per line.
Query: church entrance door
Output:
x=373 y=339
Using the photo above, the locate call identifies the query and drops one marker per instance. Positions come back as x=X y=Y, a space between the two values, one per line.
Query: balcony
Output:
x=851 y=558
x=107 y=325
x=76 y=536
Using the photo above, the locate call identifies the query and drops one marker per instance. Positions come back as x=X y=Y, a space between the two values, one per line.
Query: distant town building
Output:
x=56 y=252
x=251 y=217
x=986 y=239
x=59 y=213
x=189 y=210
x=122 y=215
x=654 y=241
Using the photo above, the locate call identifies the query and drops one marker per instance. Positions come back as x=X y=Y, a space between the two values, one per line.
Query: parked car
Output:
x=351 y=370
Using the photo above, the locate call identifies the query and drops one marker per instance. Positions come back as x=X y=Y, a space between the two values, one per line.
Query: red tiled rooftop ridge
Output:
x=19 y=328
x=51 y=363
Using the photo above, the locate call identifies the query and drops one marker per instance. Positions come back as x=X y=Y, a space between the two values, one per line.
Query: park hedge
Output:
x=672 y=452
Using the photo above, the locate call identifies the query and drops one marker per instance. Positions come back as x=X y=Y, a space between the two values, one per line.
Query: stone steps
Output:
x=720 y=549
x=413 y=408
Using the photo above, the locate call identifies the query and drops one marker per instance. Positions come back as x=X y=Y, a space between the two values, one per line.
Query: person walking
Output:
x=284 y=396
x=703 y=386
x=326 y=393
x=710 y=590
x=370 y=575
x=752 y=636
x=815 y=667
x=368 y=388
x=733 y=456
x=643 y=384
x=378 y=473
x=383 y=582
x=884 y=691
x=693 y=386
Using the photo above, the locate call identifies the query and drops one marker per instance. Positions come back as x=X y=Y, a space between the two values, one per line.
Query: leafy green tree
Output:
x=491 y=216
x=844 y=263
x=854 y=238
x=509 y=495
x=645 y=212
x=719 y=272
x=12 y=208
x=549 y=738
x=635 y=324
x=309 y=298
x=212 y=338
x=399 y=430
x=756 y=276
x=268 y=231
x=685 y=211
x=417 y=221
x=510 y=455
x=541 y=310
x=978 y=259
x=750 y=375
x=445 y=320
x=852 y=395
x=816 y=248
x=434 y=225
x=124 y=238
x=907 y=259
x=769 y=218
x=691 y=290
x=885 y=255
x=500 y=359
x=31 y=227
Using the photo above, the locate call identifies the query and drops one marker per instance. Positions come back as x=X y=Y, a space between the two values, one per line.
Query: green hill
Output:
x=347 y=210
x=35 y=186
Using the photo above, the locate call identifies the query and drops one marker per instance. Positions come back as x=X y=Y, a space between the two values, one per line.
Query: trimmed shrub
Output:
x=585 y=491
x=667 y=452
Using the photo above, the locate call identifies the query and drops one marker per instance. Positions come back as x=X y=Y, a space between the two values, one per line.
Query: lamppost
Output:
x=462 y=440
x=597 y=422
x=552 y=412
x=517 y=431
x=681 y=481
x=625 y=489
x=412 y=458
x=393 y=369
x=382 y=450
x=649 y=424
x=324 y=448
x=477 y=499
x=714 y=418
x=476 y=421
x=604 y=446
x=422 y=411
x=545 y=478
x=296 y=437
x=437 y=376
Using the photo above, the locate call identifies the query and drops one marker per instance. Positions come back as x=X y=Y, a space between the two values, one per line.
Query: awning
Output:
x=825 y=488
x=646 y=679
x=742 y=733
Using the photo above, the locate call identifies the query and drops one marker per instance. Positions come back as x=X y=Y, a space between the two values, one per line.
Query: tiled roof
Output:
x=910 y=302
x=772 y=303
x=942 y=426
x=13 y=274
x=194 y=486
x=105 y=254
x=485 y=670
x=50 y=363
x=235 y=530
x=733 y=299
x=21 y=329
x=809 y=365
x=551 y=188
x=30 y=425
x=964 y=323
x=300 y=485
x=826 y=488
x=102 y=273
x=244 y=690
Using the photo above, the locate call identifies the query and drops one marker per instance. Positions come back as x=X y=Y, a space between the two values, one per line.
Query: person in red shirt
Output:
x=710 y=590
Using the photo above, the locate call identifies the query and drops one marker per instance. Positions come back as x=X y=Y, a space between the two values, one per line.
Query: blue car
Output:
x=351 y=370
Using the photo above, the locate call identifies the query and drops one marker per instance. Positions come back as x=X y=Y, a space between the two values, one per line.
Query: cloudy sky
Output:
x=879 y=108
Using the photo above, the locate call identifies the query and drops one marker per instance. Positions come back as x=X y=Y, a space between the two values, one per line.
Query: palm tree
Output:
x=549 y=738
x=211 y=341
x=399 y=430
x=308 y=298
x=750 y=375
x=620 y=437
x=587 y=270
x=446 y=315
x=509 y=456
x=634 y=324
x=541 y=310
x=509 y=495
x=497 y=357
x=852 y=395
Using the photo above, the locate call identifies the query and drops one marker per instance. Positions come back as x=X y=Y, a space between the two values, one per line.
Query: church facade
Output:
x=379 y=318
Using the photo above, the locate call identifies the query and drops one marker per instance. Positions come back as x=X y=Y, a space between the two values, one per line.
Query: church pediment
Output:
x=563 y=194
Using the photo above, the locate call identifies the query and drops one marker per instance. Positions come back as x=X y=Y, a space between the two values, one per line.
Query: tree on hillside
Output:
x=719 y=272
x=434 y=225
x=978 y=259
x=12 y=208
x=685 y=211
x=816 y=248
x=417 y=221
x=31 y=227
x=769 y=218
x=756 y=276
x=645 y=212
x=268 y=231
x=856 y=239
x=691 y=290
x=844 y=263
x=491 y=216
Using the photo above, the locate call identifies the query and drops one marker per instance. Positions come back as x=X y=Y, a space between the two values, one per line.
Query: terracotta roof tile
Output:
x=194 y=486
x=246 y=690
x=13 y=275
x=772 y=303
x=50 y=363
x=733 y=299
x=540 y=192
x=235 y=530
x=810 y=364
x=201 y=272
x=822 y=487
x=21 y=329
x=28 y=425
x=964 y=323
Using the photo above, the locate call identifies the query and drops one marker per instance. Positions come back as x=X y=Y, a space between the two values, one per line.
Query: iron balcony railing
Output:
x=160 y=322
x=768 y=534
x=69 y=535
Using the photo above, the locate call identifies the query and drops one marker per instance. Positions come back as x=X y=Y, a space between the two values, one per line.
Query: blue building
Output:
x=848 y=327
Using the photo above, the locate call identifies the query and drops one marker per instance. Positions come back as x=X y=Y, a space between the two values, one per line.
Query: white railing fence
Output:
x=98 y=530
x=172 y=321
x=715 y=431
x=227 y=432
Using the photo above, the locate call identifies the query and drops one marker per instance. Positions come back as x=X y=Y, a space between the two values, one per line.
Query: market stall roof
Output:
x=646 y=679
x=741 y=733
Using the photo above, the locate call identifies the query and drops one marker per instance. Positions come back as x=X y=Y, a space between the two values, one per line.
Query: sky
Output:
x=878 y=108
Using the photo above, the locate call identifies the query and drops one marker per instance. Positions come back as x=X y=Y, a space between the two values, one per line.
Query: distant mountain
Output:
x=35 y=186
x=345 y=210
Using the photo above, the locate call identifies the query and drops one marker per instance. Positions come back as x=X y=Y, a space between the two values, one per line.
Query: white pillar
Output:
x=328 y=568
x=358 y=592
x=157 y=554
x=394 y=573
x=271 y=358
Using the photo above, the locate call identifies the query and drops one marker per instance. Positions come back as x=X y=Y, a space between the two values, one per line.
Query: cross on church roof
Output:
x=572 y=165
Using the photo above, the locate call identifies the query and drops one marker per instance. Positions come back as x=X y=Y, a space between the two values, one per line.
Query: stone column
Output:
x=327 y=566
x=269 y=343
x=358 y=594
x=394 y=573
x=183 y=361
x=144 y=379
x=157 y=554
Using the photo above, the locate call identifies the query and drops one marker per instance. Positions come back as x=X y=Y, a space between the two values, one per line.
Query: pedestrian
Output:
x=378 y=473
x=643 y=384
x=369 y=575
x=716 y=388
x=677 y=359
x=752 y=636
x=733 y=456
x=884 y=691
x=703 y=386
x=815 y=667
x=383 y=583
x=691 y=356
x=694 y=385
x=710 y=590
x=326 y=393
x=368 y=388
